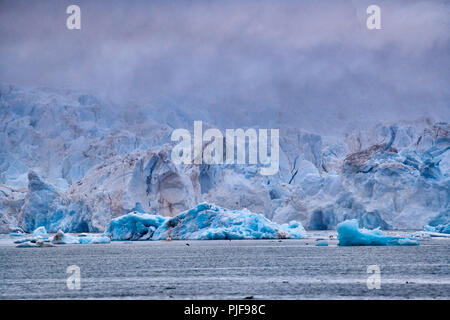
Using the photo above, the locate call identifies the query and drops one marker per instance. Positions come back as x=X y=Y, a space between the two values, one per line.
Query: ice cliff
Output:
x=73 y=162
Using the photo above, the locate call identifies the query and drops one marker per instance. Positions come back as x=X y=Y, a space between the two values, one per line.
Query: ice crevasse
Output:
x=350 y=235
x=203 y=222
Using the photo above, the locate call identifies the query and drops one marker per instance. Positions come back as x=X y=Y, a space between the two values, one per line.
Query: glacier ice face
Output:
x=393 y=175
x=203 y=222
x=45 y=206
x=350 y=235
x=11 y=202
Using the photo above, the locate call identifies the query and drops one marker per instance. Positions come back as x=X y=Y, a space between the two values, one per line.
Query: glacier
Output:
x=203 y=222
x=94 y=164
x=349 y=234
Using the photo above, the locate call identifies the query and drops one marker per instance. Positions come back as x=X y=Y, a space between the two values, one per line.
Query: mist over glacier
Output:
x=86 y=115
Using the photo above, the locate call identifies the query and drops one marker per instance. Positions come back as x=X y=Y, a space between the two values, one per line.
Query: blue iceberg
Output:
x=134 y=226
x=40 y=233
x=350 y=235
x=441 y=228
x=210 y=222
x=102 y=239
x=203 y=222
x=23 y=240
x=16 y=234
x=294 y=228
x=64 y=238
x=322 y=243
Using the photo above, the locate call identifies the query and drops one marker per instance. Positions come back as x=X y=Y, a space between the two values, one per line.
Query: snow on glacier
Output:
x=203 y=222
x=350 y=235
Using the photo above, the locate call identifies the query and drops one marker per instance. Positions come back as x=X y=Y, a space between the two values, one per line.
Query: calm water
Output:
x=266 y=269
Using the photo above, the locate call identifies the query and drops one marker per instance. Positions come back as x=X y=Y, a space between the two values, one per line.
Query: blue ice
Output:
x=350 y=235
x=40 y=233
x=203 y=222
x=64 y=238
x=210 y=222
x=134 y=226
x=441 y=228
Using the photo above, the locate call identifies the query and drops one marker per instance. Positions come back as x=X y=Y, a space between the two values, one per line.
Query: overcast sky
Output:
x=309 y=63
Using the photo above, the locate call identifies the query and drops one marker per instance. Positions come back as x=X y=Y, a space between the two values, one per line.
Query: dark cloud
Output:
x=264 y=63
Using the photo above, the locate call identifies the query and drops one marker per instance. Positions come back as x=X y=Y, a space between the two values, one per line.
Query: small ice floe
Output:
x=63 y=238
x=17 y=234
x=27 y=245
x=421 y=235
x=350 y=235
x=43 y=244
x=38 y=244
x=23 y=240
x=322 y=243
x=102 y=239
x=427 y=234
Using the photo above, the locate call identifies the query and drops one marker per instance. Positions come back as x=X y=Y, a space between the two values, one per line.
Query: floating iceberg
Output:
x=16 y=234
x=63 y=238
x=441 y=228
x=40 y=233
x=95 y=240
x=23 y=240
x=210 y=222
x=27 y=245
x=134 y=226
x=350 y=235
x=322 y=243
x=203 y=222
x=38 y=244
x=294 y=228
